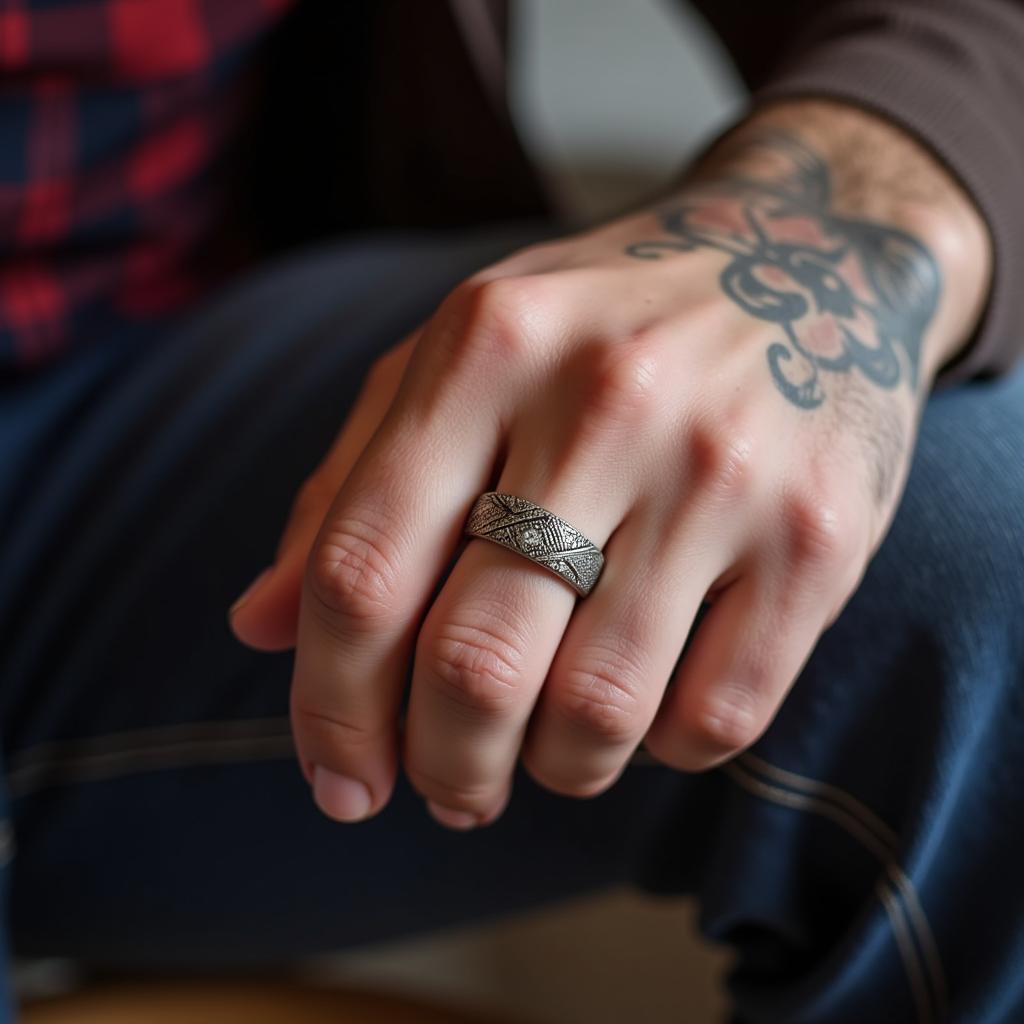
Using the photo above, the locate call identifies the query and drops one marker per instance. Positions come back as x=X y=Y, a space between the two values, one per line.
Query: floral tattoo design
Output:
x=845 y=294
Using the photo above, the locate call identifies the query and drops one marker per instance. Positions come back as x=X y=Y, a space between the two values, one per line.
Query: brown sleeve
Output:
x=949 y=71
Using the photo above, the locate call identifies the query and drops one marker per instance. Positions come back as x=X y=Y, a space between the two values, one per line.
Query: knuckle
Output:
x=728 y=719
x=353 y=572
x=600 y=696
x=497 y=319
x=509 y=299
x=331 y=727
x=476 y=667
x=720 y=457
x=622 y=383
x=815 y=531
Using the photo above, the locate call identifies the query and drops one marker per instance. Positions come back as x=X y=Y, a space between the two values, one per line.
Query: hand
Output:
x=722 y=394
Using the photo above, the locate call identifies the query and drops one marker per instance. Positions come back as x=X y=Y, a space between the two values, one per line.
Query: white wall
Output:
x=612 y=96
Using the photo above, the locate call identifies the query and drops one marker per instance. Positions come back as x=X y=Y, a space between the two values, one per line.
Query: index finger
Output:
x=383 y=545
x=267 y=616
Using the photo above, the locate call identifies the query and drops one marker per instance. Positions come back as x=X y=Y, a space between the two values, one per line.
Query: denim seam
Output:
x=859 y=822
x=825 y=791
x=212 y=728
x=119 y=754
x=912 y=903
x=105 y=764
x=905 y=942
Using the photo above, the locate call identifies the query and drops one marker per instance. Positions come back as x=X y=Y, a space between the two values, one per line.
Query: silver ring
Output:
x=524 y=527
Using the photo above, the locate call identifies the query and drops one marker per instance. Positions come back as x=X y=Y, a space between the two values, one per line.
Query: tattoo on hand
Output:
x=848 y=295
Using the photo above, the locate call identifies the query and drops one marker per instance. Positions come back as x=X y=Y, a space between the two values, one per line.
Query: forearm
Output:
x=876 y=174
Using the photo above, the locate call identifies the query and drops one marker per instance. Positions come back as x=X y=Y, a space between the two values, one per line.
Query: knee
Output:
x=956 y=546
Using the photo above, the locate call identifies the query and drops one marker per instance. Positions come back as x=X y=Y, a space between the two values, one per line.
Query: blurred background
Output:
x=612 y=96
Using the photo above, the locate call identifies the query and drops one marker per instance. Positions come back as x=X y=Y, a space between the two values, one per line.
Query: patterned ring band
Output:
x=521 y=526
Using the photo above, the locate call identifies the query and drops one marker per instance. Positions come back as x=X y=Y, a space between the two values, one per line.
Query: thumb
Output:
x=266 y=615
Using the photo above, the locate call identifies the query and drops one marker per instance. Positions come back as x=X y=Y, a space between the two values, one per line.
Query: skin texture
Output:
x=722 y=392
x=845 y=293
x=850 y=299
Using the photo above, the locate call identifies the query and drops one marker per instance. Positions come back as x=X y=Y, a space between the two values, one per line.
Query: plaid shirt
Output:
x=113 y=115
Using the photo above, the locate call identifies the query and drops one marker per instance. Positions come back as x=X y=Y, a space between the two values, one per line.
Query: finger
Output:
x=388 y=537
x=266 y=616
x=483 y=654
x=745 y=656
x=614 y=663
x=393 y=529
x=489 y=641
x=376 y=559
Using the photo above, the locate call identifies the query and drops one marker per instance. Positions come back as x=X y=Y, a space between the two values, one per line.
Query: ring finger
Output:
x=482 y=656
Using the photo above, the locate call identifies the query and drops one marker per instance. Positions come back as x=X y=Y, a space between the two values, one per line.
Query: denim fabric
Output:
x=862 y=858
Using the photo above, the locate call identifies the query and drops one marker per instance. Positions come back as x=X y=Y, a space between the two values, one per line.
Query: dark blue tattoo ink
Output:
x=846 y=294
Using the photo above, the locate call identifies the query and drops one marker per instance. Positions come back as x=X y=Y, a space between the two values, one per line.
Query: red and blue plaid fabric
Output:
x=113 y=115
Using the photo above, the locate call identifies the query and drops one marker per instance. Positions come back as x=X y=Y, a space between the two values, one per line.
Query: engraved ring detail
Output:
x=524 y=527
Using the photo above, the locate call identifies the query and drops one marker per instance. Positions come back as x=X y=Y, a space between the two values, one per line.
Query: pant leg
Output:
x=160 y=818
x=866 y=858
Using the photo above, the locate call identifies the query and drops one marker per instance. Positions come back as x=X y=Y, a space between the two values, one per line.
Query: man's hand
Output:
x=723 y=393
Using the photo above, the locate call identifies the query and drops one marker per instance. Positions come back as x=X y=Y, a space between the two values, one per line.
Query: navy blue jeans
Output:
x=863 y=859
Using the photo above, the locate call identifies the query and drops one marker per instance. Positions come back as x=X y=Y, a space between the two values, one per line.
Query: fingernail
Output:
x=250 y=590
x=453 y=819
x=340 y=797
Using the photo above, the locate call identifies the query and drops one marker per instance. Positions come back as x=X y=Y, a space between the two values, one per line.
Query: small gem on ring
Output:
x=531 y=537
